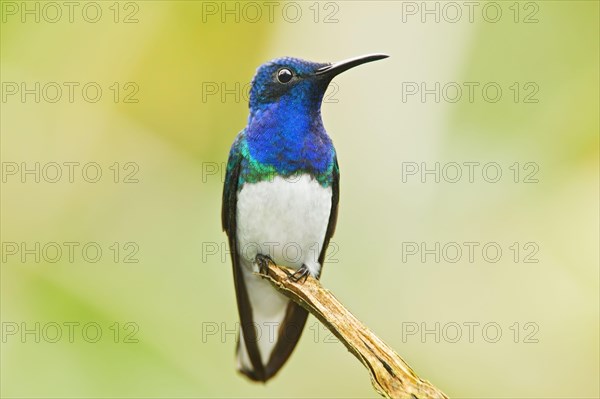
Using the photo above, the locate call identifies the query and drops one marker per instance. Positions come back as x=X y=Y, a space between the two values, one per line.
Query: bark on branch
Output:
x=390 y=375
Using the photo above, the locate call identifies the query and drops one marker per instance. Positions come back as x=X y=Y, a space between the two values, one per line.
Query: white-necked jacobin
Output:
x=280 y=202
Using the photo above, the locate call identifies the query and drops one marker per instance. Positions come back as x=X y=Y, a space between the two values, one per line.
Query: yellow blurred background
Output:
x=151 y=95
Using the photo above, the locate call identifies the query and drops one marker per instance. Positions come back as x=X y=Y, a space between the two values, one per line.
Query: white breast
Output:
x=285 y=218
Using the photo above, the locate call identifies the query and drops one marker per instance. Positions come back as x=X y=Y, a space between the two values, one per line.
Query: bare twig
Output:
x=390 y=375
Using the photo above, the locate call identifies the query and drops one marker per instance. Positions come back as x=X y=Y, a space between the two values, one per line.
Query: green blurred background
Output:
x=179 y=134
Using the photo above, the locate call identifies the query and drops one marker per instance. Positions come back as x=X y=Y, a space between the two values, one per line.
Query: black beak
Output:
x=335 y=69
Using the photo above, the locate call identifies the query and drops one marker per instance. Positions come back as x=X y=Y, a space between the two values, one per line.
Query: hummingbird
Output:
x=280 y=203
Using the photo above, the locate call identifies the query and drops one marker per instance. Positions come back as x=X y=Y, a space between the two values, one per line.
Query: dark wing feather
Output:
x=335 y=199
x=228 y=216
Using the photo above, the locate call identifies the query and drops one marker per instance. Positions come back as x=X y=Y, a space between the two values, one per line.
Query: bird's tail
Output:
x=277 y=324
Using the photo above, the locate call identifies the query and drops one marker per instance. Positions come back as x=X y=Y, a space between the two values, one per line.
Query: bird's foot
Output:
x=300 y=274
x=263 y=263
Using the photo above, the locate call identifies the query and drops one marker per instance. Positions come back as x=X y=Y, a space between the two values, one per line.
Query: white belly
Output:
x=285 y=219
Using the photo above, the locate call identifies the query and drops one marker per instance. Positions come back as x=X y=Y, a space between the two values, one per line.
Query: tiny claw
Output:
x=300 y=274
x=263 y=263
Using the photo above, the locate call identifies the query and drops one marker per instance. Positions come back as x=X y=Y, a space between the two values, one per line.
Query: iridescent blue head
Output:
x=285 y=133
x=295 y=84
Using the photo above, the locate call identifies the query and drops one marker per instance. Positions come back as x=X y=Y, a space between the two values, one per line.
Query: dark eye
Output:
x=284 y=75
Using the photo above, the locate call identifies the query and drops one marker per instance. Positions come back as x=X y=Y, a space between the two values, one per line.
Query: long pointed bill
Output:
x=339 y=67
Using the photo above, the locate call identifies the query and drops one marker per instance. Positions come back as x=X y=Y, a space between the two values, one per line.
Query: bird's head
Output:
x=297 y=83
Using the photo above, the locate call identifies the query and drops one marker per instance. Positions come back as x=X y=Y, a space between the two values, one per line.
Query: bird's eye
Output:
x=284 y=75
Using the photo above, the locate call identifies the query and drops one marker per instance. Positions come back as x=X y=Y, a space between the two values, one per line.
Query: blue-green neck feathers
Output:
x=285 y=134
